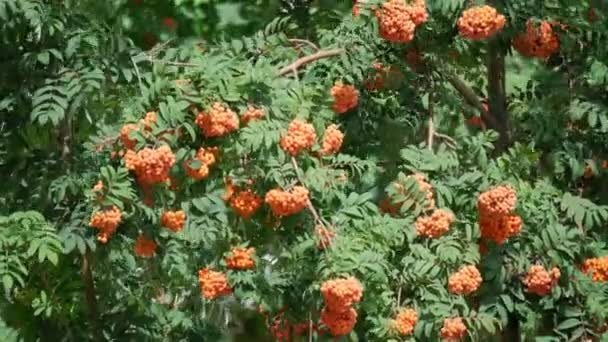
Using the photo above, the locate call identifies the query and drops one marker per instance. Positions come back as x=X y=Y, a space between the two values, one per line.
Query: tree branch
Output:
x=90 y=296
x=311 y=207
x=305 y=42
x=309 y=59
x=470 y=97
x=431 y=126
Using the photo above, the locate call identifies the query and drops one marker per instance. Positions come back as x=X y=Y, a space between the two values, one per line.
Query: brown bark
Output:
x=90 y=294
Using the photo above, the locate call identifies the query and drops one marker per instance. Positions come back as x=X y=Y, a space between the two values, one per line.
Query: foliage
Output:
x=95 y=127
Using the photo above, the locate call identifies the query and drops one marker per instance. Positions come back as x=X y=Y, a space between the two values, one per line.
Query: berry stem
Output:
x=311 y=207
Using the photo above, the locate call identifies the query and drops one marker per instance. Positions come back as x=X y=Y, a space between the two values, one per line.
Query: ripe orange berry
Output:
x=125 y=131
x=539 y=281
x=144 y=247
x=465 y=281
x=206 y=157
x=241 y=259
x=342 y=293
x=106 y=222
x=397 y=20
x=252 y=113
x=339 y=323
x=539 y=41
x=213 y=284
x=217 y=121
x=300 y=136
x=332 y=140
x=285 y=203
x=405 y=322
x=148 y=120
x=150 y=165
x=453 y=329
x=496 y=221
x=245 y=203
x=325 y=236
x=173 y=220
x=436 y=225
x=346 y=97
x=597 y=267
x=480 y=22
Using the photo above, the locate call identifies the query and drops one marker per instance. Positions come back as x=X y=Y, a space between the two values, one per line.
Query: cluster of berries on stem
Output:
x=151 y=165
x=346 y=97
x=453 y=329
x=397 y=21
x=106 y=221
x=496 y=219
x=241 y=259
x=144 y=247
x=206 y=157
x=466 y=281
x=540 y=281
x=538 y=41
x=173 y=220
x=332 y=140
x=300 y=136
x=213 y=284
x=219 y=120
x=597 y=268
x=285 y=203
x=252 y=113
x=405 y=321
x=480 y=22
x=436 y=225
x=340 y=295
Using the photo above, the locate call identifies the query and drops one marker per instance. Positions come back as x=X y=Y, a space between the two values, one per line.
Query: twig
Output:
x=179 y=64
x=309 y=59
x=449 y=140
x=311 y=207
x=304 y=41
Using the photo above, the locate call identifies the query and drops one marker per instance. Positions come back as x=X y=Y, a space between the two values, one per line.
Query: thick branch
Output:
x=497 y=95
x=309 y=59
x=471 y=98
x=89 y=290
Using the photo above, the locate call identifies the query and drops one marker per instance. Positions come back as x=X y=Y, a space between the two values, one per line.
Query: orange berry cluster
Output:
x=300 y=136
x=206 y=157
x=285 y=203
x=146 y=122
x=435 y=225
x=496 y=220
x=106 y=222
x=325 y=236
x=151 y=165
x=540 y=281
x=124 y=135
x=340 y=295
x=480 y=22
x=332 y=140
x=405 y=321
x=453 y=329
x=252 y=113
x=356 y=9
x=173 y=220
x=465 y=281
x=281 y=329
x=213 y=284
x=539 y=41
x=219 y=120
x=346 y=97
x=384 y=77
x=245 y=203
x=397 y=20
x=144 y=247
x=241 y=259
x=598 y=267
